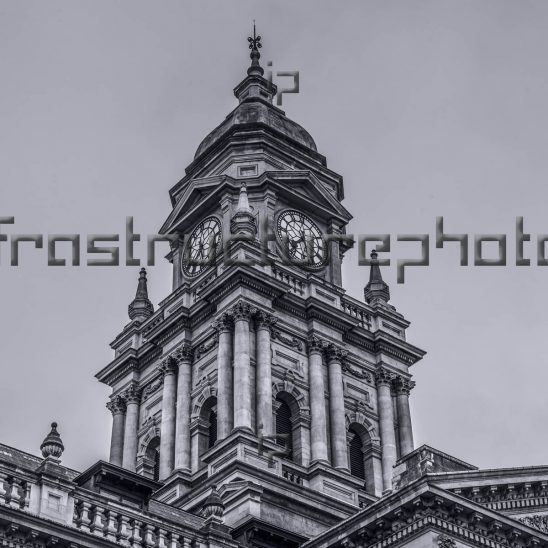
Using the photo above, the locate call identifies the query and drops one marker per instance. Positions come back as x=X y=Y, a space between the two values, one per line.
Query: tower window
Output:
x=357 y=467
x=284 y=428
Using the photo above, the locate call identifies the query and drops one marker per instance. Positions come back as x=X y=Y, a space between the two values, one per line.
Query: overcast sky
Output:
x=426 y=108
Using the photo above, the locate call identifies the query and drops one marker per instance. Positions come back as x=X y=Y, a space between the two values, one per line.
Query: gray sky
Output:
x=426 y=108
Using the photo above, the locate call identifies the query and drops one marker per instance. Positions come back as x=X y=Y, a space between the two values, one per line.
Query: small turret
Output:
x=52 y=447
x=141 y=308
x=376 y=291
x=243 y=220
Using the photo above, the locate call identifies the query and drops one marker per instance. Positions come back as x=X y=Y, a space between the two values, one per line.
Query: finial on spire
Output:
x=255 y=45
x=141 y=308
x=52 y=446
x=376 y=290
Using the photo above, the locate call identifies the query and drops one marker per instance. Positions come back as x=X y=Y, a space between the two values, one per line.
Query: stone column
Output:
x=225 y=409
x=383 y=379
x=182 y=421
x=117 y=406
x=264 y=373
x=167 y=428
x=402 y=387
x=242 y=312
x=336 y=407
x=132 y=397
x=318 y=424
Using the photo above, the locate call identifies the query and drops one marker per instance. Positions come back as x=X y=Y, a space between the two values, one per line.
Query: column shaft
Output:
x=167 y=428
x=242 y=378
x=318 y=425
x=225 y=407
x=117 y=407
x=264 y=374
x=337 y=413
x=182 y=428
x=386 y=427
x=403 y=387
x=130 y=430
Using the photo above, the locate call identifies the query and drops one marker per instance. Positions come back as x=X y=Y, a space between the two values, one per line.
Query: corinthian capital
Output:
x=183 y=354
x=315 y=344
x=334 y=353
x=383 y=376
x=402 y=385
x=243 y=311
x=224 y=323
x=168 y=366
x=132 y=394
x=117 y=405
x=264 y=320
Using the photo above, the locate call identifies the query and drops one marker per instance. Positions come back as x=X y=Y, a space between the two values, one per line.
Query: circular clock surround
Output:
x=296 y=233
x=202 y=247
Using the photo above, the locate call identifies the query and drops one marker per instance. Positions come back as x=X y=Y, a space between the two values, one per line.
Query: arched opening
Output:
x=152 y=454
x=284 y=428
x=356 y=454
x=208 y=428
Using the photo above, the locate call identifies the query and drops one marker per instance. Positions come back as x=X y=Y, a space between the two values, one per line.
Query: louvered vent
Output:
x=356 y=457
x=284 y=427
x=212 y=429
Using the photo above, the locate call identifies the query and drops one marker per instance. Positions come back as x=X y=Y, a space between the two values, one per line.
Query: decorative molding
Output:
x=206 y=346
x=538 y=521
x=446 y=542
x=363 y=375
x=152 y=388
x=292 y=342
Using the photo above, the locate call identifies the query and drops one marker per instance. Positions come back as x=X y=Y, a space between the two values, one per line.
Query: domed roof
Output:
x=255 y=94
x=254 y=112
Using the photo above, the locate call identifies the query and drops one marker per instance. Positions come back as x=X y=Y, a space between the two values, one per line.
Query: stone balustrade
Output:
x=357 y=310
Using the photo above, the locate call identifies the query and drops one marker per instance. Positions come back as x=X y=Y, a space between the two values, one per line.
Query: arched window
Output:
x=153 y=456
x=357 y=466
x=207 y=430
x=284 y=427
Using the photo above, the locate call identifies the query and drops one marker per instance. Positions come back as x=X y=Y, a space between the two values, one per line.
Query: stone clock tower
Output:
x=258 y=374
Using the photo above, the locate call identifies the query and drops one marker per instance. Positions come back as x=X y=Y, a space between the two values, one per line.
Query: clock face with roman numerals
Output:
x=203 y=246
x=301 y=239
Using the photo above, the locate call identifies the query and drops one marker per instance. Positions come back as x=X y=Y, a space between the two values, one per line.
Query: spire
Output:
x=141 y=308
x=52 y=446
x=255 y=45
x=243 y=220
x=376 y=290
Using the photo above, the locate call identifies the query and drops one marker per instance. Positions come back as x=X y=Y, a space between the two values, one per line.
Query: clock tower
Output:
x=258 y=376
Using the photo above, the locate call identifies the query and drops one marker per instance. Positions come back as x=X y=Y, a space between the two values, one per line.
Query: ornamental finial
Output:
x=52 y=446
x=255 y=45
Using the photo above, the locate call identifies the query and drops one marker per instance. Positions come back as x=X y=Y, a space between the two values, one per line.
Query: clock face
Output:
x=301 y=239
x=203 y=246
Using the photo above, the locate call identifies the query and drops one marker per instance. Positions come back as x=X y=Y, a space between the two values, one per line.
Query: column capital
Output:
x=242 y=311
x=264 y=320
x=132 y=394
x=224 y=323
x=315 y=344
x=383 y=376
x=402 y=385
x=183 y=354
x=335 y=353
x=168 y=366
x=117 y=405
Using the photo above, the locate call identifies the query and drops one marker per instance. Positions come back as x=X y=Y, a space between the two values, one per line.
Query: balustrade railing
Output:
x=127 y=529
x=356 y=310
x=296 y=285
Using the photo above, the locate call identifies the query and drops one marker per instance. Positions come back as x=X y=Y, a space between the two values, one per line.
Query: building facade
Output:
x=258 y=404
